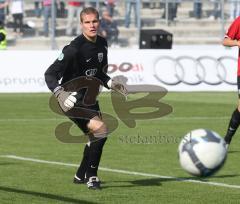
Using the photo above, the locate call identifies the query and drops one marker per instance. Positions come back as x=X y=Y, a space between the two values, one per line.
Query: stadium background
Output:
x=37 y=168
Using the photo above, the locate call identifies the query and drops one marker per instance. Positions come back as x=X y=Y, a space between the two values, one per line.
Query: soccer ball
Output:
x=202 y=152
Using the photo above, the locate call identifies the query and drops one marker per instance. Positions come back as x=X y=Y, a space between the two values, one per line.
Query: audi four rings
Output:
x=177 y=68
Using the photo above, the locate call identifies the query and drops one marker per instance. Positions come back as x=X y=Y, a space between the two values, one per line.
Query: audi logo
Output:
x=194 y=71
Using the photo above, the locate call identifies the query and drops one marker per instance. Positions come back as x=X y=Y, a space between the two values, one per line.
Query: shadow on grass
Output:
x=233 y=151
x=159 y=181
x=136 y=183
x=44 y=195
x=225 y=176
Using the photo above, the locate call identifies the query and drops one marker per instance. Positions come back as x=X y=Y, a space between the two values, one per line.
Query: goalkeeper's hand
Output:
x=65 y=99
x=118 y=87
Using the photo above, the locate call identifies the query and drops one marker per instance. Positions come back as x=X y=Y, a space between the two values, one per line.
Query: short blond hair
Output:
x=89 y=10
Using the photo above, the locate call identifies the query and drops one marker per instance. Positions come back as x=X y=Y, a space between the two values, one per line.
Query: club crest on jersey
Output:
x=100 y=57
x=60 y=57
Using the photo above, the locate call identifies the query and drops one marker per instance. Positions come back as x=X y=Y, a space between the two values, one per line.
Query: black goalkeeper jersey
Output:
x=80 y=58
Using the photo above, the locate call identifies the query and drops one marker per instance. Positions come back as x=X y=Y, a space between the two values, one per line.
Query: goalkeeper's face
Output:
x=90 y=25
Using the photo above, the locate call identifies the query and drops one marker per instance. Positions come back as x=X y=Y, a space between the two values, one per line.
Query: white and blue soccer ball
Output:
x=202 y=152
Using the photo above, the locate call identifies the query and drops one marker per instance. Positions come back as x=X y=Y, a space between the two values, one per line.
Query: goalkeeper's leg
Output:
x=88 y=168
x=80 y=174
x=97 y=141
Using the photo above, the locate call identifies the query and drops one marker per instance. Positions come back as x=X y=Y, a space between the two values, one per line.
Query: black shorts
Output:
x=81 y=118
x=238 y=84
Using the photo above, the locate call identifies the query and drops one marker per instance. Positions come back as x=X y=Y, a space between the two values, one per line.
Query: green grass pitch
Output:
x=27 y=130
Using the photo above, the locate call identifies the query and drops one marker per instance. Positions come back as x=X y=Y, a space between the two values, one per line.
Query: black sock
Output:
x=83 y=166
x=232 y=127
x=95 y=153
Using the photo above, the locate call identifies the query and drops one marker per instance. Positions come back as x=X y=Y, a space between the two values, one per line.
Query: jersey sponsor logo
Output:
x=100 y=57
x=91 y=72
x=60 y=57
x=193 y=71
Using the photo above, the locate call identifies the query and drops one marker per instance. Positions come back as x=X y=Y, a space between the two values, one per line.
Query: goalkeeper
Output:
x=85 y=56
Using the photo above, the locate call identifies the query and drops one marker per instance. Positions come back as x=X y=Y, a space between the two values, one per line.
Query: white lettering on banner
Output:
x=191 y=69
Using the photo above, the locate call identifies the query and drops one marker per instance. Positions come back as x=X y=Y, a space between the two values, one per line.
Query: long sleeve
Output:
x=55 y=72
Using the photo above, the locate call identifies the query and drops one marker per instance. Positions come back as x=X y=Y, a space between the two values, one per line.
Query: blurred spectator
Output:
x=172 y=9
x=17 y=10
x=3 y=37
x=154 y=4
x=74 y=9
x=61 y=9
x=217 y=9
x=108 y=28
x=3 y=5
x=110 y=4
x=91 y=3
x=47 y=11
x=234 y=9
x=197 y=9
x=131 y=4
x=38 y=8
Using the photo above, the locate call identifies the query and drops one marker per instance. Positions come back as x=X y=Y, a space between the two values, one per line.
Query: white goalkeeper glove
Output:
x=65 y=99
x=118 y=87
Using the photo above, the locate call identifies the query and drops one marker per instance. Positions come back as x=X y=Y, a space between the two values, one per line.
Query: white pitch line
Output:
x=125 y=172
